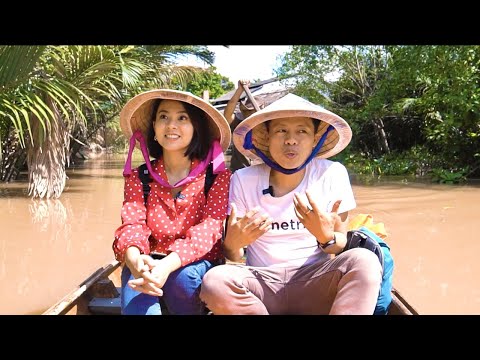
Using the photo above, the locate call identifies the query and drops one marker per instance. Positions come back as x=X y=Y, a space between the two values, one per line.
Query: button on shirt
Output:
x=189 y=224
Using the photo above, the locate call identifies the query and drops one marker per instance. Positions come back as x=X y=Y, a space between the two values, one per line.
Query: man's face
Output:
x=291 y=141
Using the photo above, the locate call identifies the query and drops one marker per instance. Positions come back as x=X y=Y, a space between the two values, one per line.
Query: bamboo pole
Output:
x=250 y=96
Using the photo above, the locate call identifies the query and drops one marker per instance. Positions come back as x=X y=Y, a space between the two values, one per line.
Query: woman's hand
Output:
x=135 y=261
x=152 y=280
x=156 y=273
x=140 y=266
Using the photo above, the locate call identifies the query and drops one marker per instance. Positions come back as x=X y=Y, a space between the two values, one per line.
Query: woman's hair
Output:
x=201 y=140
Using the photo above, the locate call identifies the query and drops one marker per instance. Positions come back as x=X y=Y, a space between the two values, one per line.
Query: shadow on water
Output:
x=86 y=176
x=14 y=192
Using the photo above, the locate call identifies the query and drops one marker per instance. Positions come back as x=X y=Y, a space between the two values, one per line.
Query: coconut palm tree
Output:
x=17 y=64
x=68 y=87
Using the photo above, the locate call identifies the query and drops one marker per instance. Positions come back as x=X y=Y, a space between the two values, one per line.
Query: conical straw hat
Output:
x=292 y=106
x=137 y=113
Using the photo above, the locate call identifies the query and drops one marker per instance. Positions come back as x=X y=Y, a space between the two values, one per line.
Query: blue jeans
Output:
x=180 y=293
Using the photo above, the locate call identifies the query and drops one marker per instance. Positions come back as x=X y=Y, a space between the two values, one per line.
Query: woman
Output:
x=169 y=242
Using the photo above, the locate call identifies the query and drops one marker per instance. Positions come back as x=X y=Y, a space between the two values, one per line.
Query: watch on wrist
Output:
x=328 y=243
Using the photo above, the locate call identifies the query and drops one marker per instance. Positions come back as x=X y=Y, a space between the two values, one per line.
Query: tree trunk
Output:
x=379 y=126
x=47 y=159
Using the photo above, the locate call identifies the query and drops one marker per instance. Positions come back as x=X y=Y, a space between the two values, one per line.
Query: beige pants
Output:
x=346 y=284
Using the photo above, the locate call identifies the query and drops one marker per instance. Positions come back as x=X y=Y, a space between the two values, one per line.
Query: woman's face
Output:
x=173 y=127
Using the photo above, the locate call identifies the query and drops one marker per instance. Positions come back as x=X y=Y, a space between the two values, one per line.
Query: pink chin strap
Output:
x=214 y=156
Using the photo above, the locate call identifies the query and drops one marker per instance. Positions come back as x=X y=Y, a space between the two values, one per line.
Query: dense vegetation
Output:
x=54 y=99
x=414 y=110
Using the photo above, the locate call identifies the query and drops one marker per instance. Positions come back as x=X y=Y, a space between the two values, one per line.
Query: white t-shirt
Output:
x=289 y=243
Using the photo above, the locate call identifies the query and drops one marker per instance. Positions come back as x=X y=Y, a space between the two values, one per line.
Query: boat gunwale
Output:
x=399 y=305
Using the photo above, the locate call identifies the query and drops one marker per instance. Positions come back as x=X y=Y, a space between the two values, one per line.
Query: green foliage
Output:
x=210 y=80
x=448 y=176
x=17 y=63
x=397 y=99
x=81 y=81
x=114 y=137
x=443 y=83
x=417 y=161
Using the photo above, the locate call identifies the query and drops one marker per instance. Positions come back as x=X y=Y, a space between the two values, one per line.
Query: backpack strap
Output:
x=146 y=179
x=365 y=239
x=209 y=178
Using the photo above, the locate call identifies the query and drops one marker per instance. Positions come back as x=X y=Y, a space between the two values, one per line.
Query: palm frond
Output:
x=17 y=63
x=170 y=53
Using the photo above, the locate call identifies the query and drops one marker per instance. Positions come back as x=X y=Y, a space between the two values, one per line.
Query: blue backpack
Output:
x=365 y=238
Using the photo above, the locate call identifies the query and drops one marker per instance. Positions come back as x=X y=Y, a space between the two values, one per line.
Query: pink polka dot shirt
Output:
x=189 y=225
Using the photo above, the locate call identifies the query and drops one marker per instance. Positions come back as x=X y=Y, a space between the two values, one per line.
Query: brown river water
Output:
x=47 y=248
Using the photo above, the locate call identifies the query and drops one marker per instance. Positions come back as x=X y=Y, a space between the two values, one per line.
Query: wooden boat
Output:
x=99 y=294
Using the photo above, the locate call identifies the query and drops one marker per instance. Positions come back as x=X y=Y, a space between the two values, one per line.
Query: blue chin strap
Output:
x=248 y=145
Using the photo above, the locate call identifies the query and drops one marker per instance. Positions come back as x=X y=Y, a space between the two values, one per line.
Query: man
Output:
x=238 y=160
x=292 y=213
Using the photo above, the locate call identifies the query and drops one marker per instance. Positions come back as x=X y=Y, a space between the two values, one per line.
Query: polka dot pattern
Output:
x=190 y=226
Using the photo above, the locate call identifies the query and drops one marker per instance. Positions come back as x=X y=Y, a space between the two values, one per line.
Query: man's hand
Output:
x=229 y=111
x=243 y=82
x=243 y=231
x=321 y=224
